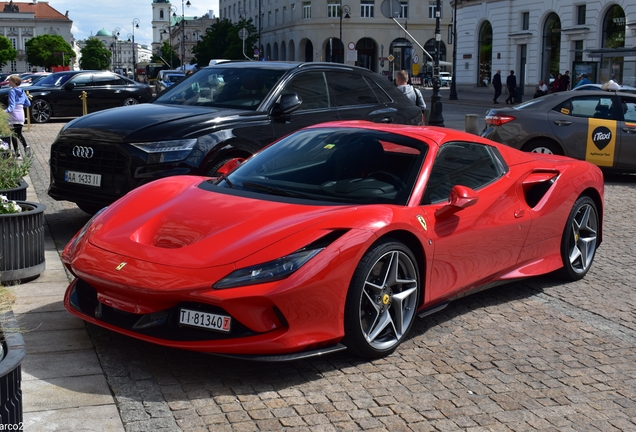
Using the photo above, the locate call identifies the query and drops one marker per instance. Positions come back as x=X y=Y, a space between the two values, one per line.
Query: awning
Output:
x=611 y=52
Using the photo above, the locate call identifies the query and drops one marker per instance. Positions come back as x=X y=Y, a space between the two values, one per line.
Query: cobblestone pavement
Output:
x=540 y=354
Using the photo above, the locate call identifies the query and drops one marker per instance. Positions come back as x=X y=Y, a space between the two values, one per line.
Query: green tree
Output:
x=95 y=55
x=7 y=52
x=168 y=54
x=221 y=41
x=49 y=50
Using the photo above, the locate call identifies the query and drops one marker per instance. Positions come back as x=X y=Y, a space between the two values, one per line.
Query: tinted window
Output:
x=82 y=80
x=54 y=80
x=379 y=93
x=466 y=164
x=312 y=88
x=108 y=79
x=350 y=89
x=588 y=106
x=629 y=109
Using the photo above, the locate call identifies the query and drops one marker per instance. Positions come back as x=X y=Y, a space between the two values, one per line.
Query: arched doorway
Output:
x=268 y=52
x=484 y=51
x=283 y=51
x=308 y=50
x=274 y=52
x=292 y=51
x=367 y=54
x=334 y=50
x=402 y=51
x=551 y=56
x=613 y=37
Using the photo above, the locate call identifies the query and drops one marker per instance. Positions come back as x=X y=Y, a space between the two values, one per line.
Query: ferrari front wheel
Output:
x=579 y=241
x=382 y=300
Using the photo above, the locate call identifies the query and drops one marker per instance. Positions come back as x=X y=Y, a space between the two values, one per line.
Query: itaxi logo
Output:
x=601 y=142
x=601 y=137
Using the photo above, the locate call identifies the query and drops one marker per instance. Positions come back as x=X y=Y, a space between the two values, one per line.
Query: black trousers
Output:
x=17 y=136
x=497 y=93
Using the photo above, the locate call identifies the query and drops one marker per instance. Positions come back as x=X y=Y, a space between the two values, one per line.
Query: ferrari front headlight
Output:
x=268 y=272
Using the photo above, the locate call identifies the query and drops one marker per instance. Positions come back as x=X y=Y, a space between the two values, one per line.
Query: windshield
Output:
x=54 y=80
x=174 y=78
x=241 y=88
x=344 y=165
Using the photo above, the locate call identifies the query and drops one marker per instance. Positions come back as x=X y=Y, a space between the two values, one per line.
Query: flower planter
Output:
x=18 y=193
x=11 y=371
x=22 y=243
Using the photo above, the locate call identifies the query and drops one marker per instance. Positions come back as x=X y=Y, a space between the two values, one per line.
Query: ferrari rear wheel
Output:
x=578 y=245
x=382 y=300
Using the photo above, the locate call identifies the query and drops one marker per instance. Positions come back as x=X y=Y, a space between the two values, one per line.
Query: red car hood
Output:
x=174 y=223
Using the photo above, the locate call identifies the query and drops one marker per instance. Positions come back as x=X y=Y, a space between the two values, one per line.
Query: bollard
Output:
x=472 y=124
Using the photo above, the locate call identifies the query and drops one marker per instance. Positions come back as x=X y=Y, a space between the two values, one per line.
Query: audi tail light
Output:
x=498 y=119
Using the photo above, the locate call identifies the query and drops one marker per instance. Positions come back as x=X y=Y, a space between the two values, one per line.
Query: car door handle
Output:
x=629 y=130
x=520 y=213
x=562 y=123
x=386 y=120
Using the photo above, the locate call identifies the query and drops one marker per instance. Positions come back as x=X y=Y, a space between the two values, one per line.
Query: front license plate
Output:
x=205 y=320
x=83 y=178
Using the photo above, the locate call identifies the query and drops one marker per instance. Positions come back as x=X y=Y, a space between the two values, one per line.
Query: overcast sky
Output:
x=91 y=16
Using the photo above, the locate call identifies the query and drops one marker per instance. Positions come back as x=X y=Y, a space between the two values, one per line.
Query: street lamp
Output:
x=453 y=88
x=346 y=10
x=115 y=35
x=183 y=36
x=164 y=31
x=436 y=118
x=135 y=23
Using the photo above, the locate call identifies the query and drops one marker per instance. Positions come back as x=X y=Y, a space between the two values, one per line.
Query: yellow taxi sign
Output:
x=601 y=142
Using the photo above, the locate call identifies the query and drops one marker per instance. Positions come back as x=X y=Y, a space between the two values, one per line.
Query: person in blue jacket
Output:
x=18 y=100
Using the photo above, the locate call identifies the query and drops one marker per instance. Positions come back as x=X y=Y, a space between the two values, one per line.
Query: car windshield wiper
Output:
x=271 y=189
x=219 y=179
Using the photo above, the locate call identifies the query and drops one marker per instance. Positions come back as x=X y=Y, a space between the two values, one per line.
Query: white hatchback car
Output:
x=445 y=79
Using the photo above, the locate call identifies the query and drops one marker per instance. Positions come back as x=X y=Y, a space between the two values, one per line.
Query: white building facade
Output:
x=351 y=31
x=540 y=38
x=20 y=22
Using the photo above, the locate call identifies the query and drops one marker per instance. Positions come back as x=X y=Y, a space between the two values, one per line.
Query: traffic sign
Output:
x=243 y=33
x=391 y=58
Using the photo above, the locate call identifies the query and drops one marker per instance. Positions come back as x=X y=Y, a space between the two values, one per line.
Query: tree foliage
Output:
x=95 y=55
x=168 y=54
x=7 y=52
x=222 y=41
x=49 y=50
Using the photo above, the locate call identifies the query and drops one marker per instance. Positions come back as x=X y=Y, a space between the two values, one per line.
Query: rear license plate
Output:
x=205 y=320
x=83 y=178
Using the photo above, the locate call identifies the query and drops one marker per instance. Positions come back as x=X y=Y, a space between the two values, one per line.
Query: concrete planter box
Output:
x=22 y=243
x=13 y=352
x=18 y=193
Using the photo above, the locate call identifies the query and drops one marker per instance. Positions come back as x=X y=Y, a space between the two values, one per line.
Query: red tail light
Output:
x=498 y=119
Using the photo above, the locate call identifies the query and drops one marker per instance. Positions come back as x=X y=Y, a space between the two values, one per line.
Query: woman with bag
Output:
x=18 y=100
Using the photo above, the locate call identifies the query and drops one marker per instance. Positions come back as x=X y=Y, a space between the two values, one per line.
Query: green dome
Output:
x=103 y=32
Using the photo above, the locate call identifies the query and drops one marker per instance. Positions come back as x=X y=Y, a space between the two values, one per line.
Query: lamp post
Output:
x=166 y=30
x=135 y=23
x=346 y=10
x=436 y=118
x=115 y=35
x=453 y=88
x=183 y=35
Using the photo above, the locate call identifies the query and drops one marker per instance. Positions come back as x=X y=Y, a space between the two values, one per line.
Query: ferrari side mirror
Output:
x=460 y=198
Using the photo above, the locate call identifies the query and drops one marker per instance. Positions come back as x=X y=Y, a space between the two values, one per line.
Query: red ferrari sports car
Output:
x=336 y=236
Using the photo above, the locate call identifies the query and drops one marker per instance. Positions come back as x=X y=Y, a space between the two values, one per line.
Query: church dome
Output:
x=103 y=32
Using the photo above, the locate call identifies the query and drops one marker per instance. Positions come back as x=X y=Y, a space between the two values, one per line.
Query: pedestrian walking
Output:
x=412 y=93
x=511 y=84
x=566 y=80
x=18 y=100
x=496 y=83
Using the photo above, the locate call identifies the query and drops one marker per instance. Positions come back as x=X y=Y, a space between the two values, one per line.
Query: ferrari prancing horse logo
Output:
x=121 y=266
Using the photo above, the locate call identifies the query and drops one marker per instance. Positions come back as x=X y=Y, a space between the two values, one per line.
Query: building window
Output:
x=14 y=42
x=580 y=14
x=306 y=10
x=366 y=9
x=404 y=10
x=14 y=65
x=269 y=18
x=161 y=14
x=432 y=7
x=276 y=17
x=332 y=9
x=284 y=14
x=525 y=21
x=293 y=11
x=578 y=52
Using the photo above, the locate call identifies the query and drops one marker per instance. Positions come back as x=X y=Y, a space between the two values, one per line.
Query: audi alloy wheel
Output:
x=41 y=111
x=130 y=101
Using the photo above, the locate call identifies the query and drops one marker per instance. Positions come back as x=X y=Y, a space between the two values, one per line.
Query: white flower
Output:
x=4 y=146
x=8 y=207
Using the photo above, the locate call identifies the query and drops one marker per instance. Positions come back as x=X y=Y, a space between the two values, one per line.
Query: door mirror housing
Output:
x=286 y=104
x=460 y=197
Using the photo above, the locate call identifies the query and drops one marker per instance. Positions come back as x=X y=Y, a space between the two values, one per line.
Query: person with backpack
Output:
x=411 y=92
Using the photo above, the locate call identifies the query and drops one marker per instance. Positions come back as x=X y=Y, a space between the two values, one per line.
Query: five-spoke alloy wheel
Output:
x=382 y=300
x=579 y=242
